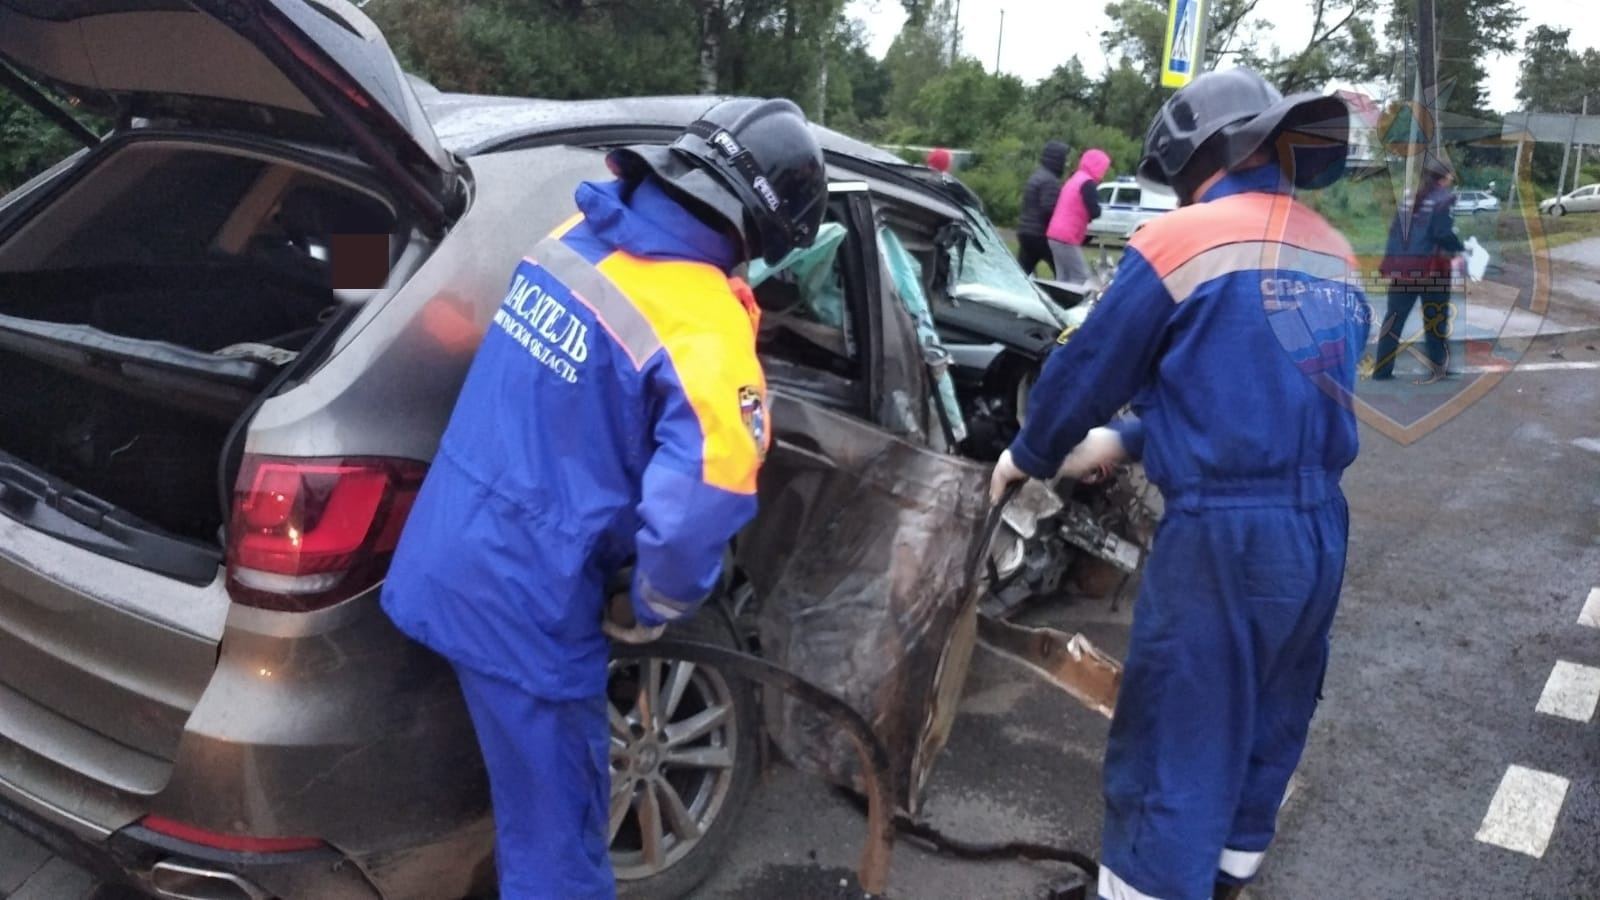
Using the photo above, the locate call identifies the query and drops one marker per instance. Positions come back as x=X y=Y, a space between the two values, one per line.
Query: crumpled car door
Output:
x=862 y=559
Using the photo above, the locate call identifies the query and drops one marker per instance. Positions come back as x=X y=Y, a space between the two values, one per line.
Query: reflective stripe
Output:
x=612 y=308
x=660 y=604
x=1114 y=888
x=1171 y=240
x=1241 y=863
x=1254 y=256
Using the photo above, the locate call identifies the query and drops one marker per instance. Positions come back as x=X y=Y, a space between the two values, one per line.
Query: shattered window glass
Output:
x=984 y=267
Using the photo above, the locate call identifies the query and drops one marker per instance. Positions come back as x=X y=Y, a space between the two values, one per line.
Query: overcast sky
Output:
x=1041 y=34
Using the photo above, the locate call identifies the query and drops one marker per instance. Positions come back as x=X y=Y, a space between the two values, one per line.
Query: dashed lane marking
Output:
x=1523 y=813
x=1591 y=609
x=1571 y=692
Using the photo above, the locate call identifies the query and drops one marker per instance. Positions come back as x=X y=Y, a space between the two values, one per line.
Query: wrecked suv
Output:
x=209 y=450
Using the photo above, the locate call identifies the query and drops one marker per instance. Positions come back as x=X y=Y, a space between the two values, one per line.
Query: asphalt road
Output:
x=1473 y=551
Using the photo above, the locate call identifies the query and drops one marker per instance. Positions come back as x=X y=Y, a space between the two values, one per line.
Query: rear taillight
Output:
x=241 y=843
x=308 y=533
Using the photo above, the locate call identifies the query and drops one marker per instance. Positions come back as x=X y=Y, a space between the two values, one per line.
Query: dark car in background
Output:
x=208 y=450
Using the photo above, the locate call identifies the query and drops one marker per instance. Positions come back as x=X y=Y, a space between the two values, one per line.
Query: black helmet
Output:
x=753 y=163
x=1221 y=118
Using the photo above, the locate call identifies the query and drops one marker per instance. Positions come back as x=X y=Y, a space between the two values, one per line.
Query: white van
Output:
x=1125 y=205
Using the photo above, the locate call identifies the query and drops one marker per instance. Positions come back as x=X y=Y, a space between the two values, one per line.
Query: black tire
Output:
x=714 y=797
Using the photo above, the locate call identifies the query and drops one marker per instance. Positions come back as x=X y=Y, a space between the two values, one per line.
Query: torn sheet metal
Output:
x=872 y=601
x=1068 y=661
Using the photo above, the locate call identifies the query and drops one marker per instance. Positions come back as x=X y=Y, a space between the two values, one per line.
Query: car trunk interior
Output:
x=149 y=302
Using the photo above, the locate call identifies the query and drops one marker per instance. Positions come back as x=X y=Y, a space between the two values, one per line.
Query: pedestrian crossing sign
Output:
x=1184 y=51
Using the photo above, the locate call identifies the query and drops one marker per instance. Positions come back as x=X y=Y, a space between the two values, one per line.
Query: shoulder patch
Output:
x=753 y=412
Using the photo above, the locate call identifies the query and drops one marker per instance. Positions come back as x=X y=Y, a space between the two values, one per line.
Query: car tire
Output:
x=1558 y=210
x=712 y=783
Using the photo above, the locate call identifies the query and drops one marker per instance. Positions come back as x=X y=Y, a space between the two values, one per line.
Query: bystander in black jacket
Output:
x=1038 y=202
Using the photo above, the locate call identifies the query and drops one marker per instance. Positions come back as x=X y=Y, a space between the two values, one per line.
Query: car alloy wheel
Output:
x=1558 y=210
x=674 y=738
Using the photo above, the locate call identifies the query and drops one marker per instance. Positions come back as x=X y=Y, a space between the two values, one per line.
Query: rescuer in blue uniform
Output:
x=614 y=418
x=1233 y=326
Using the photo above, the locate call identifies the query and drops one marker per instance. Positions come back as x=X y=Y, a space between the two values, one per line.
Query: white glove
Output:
x=619 y=623
x=1094 y=456
x=1005 y=474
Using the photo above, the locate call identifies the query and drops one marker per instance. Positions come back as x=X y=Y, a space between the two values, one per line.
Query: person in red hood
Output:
x=939 y=160
x=1076 y=207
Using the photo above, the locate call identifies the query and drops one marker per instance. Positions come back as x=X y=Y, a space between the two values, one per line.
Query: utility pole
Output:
x=1428 y=71
x=1414 y=135
x=1566 y=156
x=955 y=34
x=1577 y=164
x=1000 y=42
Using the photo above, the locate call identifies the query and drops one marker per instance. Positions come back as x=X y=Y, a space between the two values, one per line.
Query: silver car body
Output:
x=1584 y=199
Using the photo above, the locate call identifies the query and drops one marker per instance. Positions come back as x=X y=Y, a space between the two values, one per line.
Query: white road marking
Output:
x=1571 y=692
x=1524 y=810
x=1591 y=609
x=1571 y=365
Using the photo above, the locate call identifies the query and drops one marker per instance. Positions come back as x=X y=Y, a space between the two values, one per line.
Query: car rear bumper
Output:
x=165 y=867
x=326 y=726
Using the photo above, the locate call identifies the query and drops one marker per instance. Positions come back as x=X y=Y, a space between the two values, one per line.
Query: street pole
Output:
x=1577 y=164
x=1414 y=134
x=1000 y=42
x=1566 y=156
x=955 y=34
x=1428 y=70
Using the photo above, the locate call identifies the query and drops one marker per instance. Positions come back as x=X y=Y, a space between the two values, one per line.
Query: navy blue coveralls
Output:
x=1417 y=262
x=615 y=412
x=1234 y=326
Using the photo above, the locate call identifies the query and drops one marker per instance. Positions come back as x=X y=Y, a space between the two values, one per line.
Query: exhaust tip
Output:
x=183 y=882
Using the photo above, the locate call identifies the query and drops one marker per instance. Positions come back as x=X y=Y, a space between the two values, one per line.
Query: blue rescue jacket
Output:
x=1422 y=238
x=1233 y=326
x=615 y=413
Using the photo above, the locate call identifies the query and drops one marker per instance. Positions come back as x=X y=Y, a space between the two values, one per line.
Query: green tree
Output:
x=1468 y=33
x=1139 y=31
x=1554 y=77
x=1343 y=46
x=1128 y=98
x=566 y=49
x=29 y=143
x=858 y=83
x=1066 y=87
x=1343 y=43
x=964 y=103
x=919 y=53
